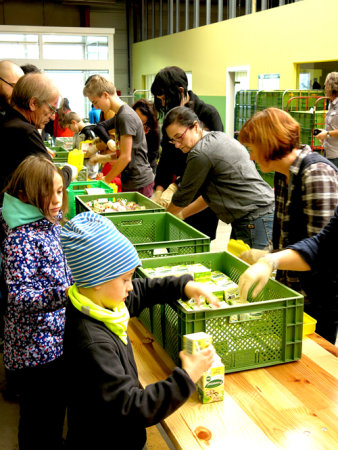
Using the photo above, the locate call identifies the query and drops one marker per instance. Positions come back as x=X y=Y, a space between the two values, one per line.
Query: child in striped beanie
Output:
x=107 y=408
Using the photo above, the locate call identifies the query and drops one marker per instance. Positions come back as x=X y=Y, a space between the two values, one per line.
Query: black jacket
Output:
x=20 y=139
x=107 y=407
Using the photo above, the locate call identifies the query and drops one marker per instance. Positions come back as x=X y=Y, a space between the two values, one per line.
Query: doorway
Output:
x=237 y=78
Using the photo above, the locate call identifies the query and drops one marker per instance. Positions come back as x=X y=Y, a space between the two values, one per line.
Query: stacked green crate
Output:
x=159 y=234
x=244 y=107
x=307 y=120
x=290 y=93
x=267 y=99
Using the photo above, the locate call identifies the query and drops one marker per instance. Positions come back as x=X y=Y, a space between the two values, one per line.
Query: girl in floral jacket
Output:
x=37 y=278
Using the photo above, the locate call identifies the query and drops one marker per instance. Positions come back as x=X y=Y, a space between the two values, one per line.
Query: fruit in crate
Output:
x=104 y=205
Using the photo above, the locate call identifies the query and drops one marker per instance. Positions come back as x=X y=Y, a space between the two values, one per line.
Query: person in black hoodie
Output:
x=107 y=408
x=170 y=89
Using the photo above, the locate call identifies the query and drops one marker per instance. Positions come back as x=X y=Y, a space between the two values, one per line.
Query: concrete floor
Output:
x=9 y=411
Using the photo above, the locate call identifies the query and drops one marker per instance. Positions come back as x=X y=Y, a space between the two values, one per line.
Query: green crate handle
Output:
x=128 y=223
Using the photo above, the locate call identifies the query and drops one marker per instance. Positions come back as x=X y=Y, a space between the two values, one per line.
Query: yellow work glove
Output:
x=253 y=255
x=258 y=274
x=156 y=196
x=167 y=195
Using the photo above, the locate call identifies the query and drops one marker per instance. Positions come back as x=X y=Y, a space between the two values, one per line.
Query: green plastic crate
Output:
x=81 y=200
x=160 y=234
x=266 y=99
x=274 y=338
x=78 y=188
x=61 y=156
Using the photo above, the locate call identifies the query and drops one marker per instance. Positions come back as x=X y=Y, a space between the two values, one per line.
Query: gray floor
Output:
x=9 y=412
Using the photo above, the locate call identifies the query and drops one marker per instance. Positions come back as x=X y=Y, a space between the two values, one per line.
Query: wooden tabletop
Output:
x=288 y=406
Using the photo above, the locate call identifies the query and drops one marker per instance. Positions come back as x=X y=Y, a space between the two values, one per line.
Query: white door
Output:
x=237 y=78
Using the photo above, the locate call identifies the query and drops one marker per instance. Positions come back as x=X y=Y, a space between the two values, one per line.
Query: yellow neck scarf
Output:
x=116 y=320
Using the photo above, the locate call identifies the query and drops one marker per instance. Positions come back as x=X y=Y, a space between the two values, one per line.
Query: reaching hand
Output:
x=197 y=363
x=156 y=196
x=167 y=195
x=197 y=290
x=322 y=136
x=258 y=273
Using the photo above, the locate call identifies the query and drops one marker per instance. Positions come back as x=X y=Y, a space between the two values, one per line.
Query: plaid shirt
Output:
x=319 y=198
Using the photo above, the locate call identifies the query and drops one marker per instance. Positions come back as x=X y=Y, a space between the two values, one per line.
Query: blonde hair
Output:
x=71 y=115
x=33 y=183
x=96 y=85
x=331 y=84
x=33 y=85
x=274 y=131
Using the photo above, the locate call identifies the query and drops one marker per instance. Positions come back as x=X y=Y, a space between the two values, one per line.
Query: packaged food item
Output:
x=199 y=272
x=231 y=292
x=194 y=342
x=219 y=277
x=210 y=387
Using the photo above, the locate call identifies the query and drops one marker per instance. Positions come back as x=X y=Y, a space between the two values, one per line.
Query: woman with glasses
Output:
x=219 y=174
x=170 y=89
x=35 y=100
x=146 y=112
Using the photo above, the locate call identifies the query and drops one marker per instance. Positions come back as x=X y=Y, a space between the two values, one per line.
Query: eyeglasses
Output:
x=54 y=111
x=179 y=138
x=7 y=82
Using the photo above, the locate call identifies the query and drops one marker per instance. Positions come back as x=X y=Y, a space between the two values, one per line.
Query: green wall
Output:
x=217 y=101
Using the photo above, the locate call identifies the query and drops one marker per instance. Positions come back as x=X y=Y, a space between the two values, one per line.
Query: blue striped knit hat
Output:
x=96 y=251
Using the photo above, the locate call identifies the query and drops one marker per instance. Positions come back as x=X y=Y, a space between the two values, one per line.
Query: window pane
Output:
x=96 y=52
x=19 y=51
x=63 y=51
x=75 y=47
x=61 y=38
x=9 y=37
x=70 y=84
x=20 y=46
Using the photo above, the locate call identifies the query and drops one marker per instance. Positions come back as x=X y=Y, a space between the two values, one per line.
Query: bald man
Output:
x=9 y=75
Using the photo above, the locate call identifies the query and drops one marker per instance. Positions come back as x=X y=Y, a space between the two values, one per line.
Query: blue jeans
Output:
x=256 y=233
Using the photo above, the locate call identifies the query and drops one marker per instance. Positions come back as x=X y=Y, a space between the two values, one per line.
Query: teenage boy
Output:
x=131 y=145
x=107 y=408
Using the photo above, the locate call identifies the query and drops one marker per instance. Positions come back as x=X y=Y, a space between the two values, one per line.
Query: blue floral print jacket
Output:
x=37 y=275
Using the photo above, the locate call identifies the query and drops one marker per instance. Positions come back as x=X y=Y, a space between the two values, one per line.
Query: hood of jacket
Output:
x=16 y=213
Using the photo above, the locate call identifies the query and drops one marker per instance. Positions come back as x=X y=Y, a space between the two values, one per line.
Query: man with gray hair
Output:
x=34 y=102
